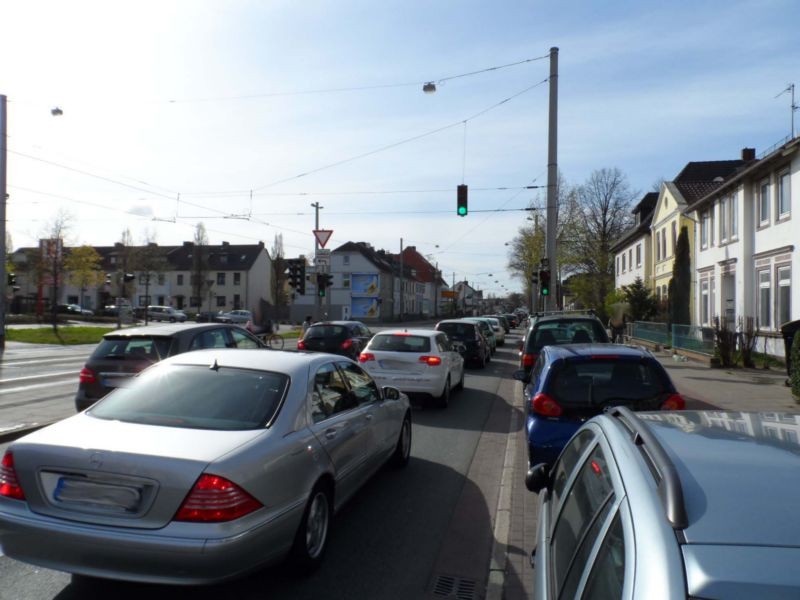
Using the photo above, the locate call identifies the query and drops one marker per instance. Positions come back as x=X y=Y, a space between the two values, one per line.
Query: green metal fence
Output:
x=652 y=332
x=694 y=338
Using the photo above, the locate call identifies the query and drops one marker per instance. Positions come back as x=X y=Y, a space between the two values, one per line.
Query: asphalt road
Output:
x=391 y=541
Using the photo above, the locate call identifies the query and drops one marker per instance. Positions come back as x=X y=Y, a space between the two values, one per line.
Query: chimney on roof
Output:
x=225 y=244
x=748 y=153
x=188 y=244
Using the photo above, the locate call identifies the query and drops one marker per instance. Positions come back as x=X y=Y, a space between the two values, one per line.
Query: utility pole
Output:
x=3 y=197
x=317 y=302
x=401 y=280
x=552 y=174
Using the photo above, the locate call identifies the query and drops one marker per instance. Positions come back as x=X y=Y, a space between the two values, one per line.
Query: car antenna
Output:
x=215 y=366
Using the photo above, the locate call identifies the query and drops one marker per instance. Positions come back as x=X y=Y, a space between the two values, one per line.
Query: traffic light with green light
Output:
x=461 y=201
x=544 y=282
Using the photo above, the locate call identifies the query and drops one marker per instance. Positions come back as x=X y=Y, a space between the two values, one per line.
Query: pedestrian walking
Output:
x=306 y=323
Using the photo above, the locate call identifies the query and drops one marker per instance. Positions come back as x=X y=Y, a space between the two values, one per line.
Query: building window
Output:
x=161 y=279
x=723 y=220
x=220 y=301
x=346 y=259
x=705 y=305
x=237 y=279
x=630 y=259
x=638 y=255
x=623 y=262
x=618 y=271
x=674 y=237
x=664 y=292
x=734 y=212
x=658 y=245
x=345 y=280
x=220 y=278
x=763 y=202
x=764 y=300
x=144 y=300
x=705 y=222
x=194 y=301
x=784 y=195
x=784 y=296
x=237 y=302
x=664 y=243
x=180 y=279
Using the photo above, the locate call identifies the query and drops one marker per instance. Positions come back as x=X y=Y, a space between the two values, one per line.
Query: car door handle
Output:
x=331 y=433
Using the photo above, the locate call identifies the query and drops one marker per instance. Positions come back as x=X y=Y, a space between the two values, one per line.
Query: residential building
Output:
x=748 y=259
x=696 y=180
x=233 y=277
x=633 y=250
x=429 y=284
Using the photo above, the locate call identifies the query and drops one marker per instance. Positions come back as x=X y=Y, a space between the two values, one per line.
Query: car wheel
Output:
x=311 y=539
x=172 y=319
x=443 y=400
x=460 y=385
x=402 y=451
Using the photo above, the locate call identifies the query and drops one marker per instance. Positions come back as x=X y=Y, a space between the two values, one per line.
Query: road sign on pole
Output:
x=323 y=235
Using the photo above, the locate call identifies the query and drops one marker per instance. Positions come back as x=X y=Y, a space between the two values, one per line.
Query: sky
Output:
x=241 y=114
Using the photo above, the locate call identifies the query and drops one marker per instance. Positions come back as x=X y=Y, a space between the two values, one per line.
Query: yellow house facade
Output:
x=668 y=219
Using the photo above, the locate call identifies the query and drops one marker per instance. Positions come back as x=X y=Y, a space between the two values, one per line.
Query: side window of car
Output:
x=241 y=339
x=442 y=344
x=363 y=387
x=211 y=338
x=330 y=394
x=566 y=463
x=608 y=571
x=586 y=503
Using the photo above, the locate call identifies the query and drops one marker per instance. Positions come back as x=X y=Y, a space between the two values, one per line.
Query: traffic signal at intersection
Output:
x=544 y=282
x=324 y=281
x=461 y=201
x=297 y=274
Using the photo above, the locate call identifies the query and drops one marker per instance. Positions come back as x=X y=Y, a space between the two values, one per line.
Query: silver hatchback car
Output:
x=671 y=505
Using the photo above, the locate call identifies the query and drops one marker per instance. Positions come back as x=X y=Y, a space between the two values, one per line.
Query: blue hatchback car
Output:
x=571 y=383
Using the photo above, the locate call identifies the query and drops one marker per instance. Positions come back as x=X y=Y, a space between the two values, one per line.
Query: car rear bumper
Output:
x=152 y=556
x=410 y=383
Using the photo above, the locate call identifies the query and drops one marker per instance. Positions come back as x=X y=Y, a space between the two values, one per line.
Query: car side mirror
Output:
x=390 y=393
x=538 y=478
x=520 y=375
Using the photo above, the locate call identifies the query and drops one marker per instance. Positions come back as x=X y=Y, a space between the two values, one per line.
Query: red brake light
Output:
x=528 y=360
x=402 y=334
x=346 y=344
x=431 y=361
x=544 y=405
x=214 y=499
x=87 y=376
x=301 y=345
x=365 y=357
x=9 y=484
x=674 y=402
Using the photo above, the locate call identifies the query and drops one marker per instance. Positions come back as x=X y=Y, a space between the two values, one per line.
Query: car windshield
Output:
x=600 y=380
x=401 y=343
x=135 y=348
x=196 y=397
x=325 y=331
x=552 y=333
x=458 y=331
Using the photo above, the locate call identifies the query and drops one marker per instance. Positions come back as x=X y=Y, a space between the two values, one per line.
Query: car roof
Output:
x=607 y=350
x=293 y=363
x=337 y=323
x=737 y=472
x=566 y=317
x=164 y=330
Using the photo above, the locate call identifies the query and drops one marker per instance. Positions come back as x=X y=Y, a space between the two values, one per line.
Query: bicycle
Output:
x=274 y=341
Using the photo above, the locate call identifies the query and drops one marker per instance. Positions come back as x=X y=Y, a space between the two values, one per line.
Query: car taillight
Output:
x=9 y=484
x=366 y=357
x=528 y=360
x=301 y=345
x=544 y=405
x=214 y=499
x=87 y=376
x=431 y=361
x=346 y=344
x=674 y=402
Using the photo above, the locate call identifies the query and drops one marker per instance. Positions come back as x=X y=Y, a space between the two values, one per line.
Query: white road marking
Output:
x=44 y=376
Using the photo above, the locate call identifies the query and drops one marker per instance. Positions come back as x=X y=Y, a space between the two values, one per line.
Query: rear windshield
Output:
x=325 y=331
x=595 y=381
x=133 y=348
x=553 y=333
x=458 y=331
x=401 y=343
x=193 y=397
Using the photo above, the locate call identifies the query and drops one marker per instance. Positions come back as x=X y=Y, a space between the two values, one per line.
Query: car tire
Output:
x=311 y=539
x=172 y=319
x=460 y=385
x=402 y=451
x=443 y=400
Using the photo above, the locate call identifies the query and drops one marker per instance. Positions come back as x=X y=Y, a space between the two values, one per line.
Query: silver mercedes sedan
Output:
x=206 y=466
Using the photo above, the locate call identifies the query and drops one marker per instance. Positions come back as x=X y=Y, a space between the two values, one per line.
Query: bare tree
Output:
x=604 y=202
x=200 y=255
x=82 y=265
x=279 y=276
x=51 y=261
x=151 y=264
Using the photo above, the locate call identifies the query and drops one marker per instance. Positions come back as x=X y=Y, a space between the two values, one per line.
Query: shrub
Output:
x=795 y=358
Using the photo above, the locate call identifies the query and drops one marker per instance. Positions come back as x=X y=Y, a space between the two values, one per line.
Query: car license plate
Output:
x=73 y=490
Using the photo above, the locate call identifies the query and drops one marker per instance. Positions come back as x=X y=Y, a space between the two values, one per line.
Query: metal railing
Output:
x=693 y=338
x=652 y=332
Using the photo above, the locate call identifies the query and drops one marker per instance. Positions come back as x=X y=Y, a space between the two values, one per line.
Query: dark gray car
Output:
x=123 y=353
x=671 y=505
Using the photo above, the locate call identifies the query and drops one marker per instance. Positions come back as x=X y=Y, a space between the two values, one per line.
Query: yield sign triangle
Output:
x=323 y=235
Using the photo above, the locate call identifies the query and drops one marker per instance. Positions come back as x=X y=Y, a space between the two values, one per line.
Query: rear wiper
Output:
x=119 y=356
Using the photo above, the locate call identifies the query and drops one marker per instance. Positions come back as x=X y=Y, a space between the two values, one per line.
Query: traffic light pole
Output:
x=550 y=303
x=3 y=138
x=316 y=207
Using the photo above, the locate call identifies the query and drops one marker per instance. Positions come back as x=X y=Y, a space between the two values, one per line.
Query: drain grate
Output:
x=447 y=586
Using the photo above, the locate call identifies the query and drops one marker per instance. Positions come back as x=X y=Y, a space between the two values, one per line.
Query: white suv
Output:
x=165 y=313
